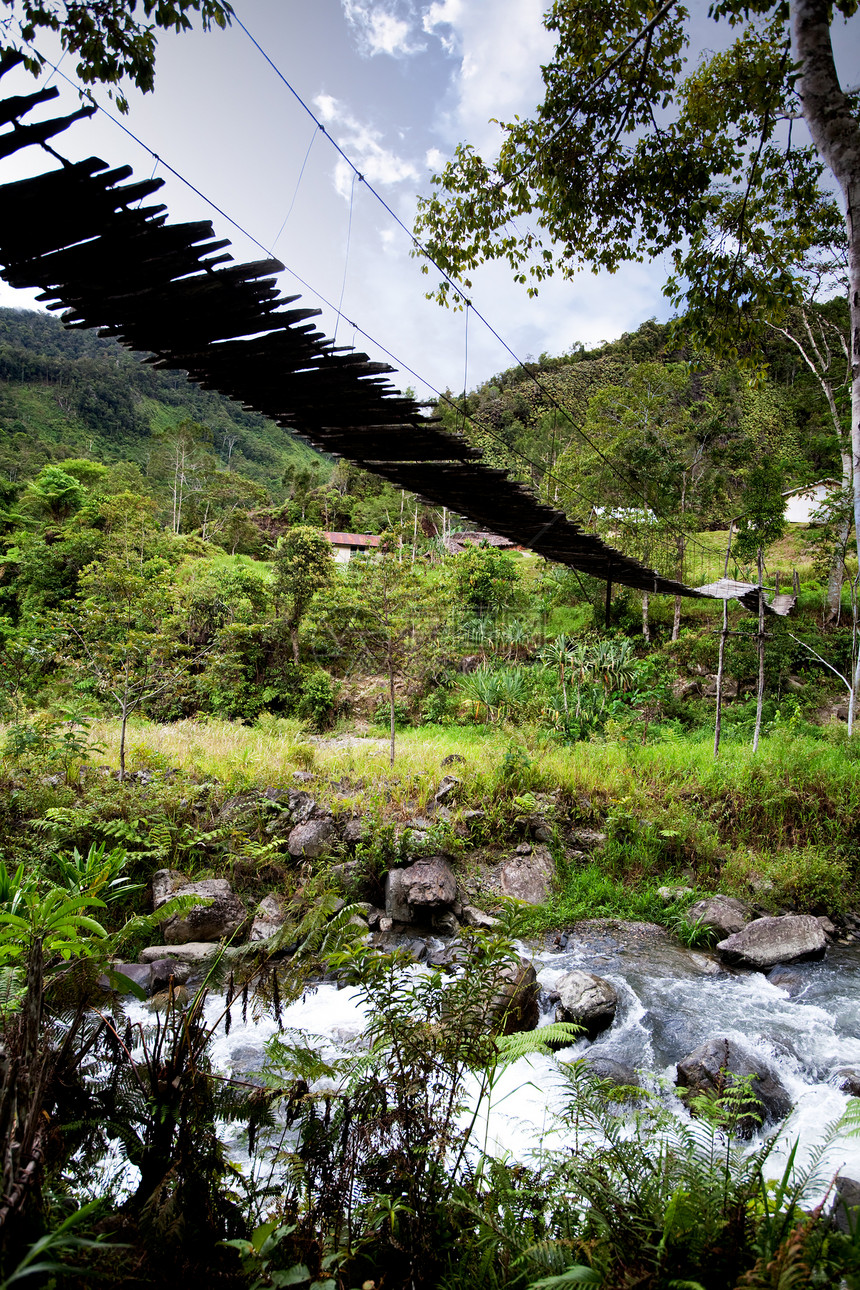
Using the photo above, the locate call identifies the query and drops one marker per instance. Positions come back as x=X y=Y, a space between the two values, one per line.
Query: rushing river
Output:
x=670 y=1001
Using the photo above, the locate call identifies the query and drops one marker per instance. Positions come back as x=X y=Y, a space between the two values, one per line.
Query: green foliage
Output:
x=98 y=873
x=113 y=44
x=484 y=578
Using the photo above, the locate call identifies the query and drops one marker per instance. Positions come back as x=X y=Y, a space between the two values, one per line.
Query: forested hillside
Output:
x=69 y=393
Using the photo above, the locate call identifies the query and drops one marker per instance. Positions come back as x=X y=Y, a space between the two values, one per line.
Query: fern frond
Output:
x=561 y=1034
x=849 y=1123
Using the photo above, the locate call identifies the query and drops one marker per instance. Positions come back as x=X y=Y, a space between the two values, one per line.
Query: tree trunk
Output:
x=122 y=730
x=836 y=135
x=646 y=626
x=391 y=706
x=718 y=720
x=760 y=690
x=676 y=619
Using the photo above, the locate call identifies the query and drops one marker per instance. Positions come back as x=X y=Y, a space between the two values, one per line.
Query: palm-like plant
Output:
x=558 y=653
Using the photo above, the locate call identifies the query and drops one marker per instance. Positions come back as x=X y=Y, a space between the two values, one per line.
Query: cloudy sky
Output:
x=397 y=83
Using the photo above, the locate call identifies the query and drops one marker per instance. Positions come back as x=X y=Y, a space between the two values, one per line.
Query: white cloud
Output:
x=376 y=163
x=383 y=28
x=498 y=72
x=435 y=159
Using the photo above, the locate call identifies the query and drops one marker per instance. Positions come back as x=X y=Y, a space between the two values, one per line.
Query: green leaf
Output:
x=577 y=1275
x=294 y=1276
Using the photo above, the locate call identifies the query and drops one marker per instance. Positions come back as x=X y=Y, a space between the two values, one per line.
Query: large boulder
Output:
x=528 y=877
x=195 y=954
x=311 y=840
x=515 y=1006
x=586 y=1000
x=222 y=917
x=846 y=1210
x=724 y=914
x=165 y=884
x=416 y=893
x=269 y=918
x=717 y=1064
x=767 y=941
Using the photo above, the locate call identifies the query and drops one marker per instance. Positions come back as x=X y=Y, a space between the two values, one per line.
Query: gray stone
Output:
x=846 y=1209
x=828 y=928
x=268 y=918
x=453 y=759
x=670 y=894
x=791 y=980
x=396 y=902
x=723 y=913
x=717 y=1064
x=729 y=688
x=447 y=788
x=611 y=1070
x=767 y=941
x=528 y=878
x=303 y=776
x=161 y=970
x=428 y=884
x=241 y=804
x=137 y=973
x=849 y=1080
x=542 y=830
x=193 y=954
x=165 y=883
x=516 y=1005
x=586 y=1000
x=446 y=923
x=474 y=917
x=353 y=832
x=222 y=917
x=524 y=849
x=385 y=923
x=472 y=817
x=311 y=840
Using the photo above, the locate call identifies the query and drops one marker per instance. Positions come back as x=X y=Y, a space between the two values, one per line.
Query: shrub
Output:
x=811 y=879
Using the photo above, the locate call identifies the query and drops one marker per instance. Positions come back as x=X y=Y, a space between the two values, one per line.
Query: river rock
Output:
x=586 y=1000
x=515 y=1006
x=194 y=954
x=268 y=918
x=849 y=1080
x=161 y=970
x=611 y=1070
x=528 y=877
x=474 y=917
x=223 y=917
x=790 y=979
x=723 y=913
x=767 y=941
x=311 y=839
x=701 y=1072
x=416 y=892
x=137 y=973
x=846 y=1210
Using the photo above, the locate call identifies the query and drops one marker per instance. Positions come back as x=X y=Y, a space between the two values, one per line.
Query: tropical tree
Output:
x=627 y=158
x=112 y=41
x=303 y=566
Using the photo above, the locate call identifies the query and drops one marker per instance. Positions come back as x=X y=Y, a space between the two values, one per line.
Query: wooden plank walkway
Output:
x=84 y=236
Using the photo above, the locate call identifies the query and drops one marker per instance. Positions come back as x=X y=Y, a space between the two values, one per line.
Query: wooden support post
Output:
x=718 y=719
x=608 y=614
x=760 y=694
